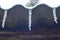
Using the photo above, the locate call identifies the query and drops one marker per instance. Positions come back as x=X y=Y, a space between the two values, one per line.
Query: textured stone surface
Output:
x=17 y=19
x=1 y=17
x=42 y=16
x=43 y=25
x=18 y=36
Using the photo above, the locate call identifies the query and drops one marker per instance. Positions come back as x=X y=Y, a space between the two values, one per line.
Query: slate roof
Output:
x=42 y=19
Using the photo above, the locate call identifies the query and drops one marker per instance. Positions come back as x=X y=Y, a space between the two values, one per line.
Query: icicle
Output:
x=54 y=14
x=30 y=13
x=4 y=18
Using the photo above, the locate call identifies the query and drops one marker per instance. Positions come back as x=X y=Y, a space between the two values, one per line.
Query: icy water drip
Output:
x=30 y=14
x=54 y=14
x=30 y=5
x=4 y=18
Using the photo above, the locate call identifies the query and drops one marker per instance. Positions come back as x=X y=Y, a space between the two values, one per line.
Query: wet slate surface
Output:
x=42 y=23
x=17 y=19
x=18 y=36
x=43 y=20
x=42 y=16
x=1 y=17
